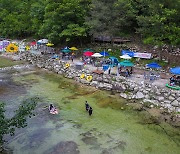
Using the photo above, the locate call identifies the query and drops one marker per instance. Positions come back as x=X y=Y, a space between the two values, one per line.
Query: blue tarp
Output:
x=153 y=65
x=175 y=70
x=55 y=56
x=127 y=52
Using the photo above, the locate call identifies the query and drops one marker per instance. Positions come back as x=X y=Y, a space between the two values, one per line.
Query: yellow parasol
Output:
x=49 y=44
x=73 y=48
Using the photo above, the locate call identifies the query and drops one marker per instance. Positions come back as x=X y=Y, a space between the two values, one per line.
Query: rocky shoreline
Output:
x=151 y=96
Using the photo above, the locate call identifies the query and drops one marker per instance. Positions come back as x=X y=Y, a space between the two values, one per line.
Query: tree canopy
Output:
x=156 y=21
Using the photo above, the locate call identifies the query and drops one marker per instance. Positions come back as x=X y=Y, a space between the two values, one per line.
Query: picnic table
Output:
x=97 y=71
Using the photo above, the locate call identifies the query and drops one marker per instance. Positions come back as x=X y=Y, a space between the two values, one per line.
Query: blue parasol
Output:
x=104 y=53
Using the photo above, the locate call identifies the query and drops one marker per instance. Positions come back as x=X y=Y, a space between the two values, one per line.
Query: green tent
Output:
x=126 y=63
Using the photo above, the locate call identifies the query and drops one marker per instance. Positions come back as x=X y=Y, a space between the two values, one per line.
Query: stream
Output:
x=112 y=129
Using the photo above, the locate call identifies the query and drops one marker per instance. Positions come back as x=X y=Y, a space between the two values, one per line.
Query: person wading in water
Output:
x=87 y=106
x=90 y=111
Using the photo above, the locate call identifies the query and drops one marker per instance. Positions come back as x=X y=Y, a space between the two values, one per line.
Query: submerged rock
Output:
x=68 y=147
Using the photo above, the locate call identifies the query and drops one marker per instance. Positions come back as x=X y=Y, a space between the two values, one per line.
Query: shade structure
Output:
x=97 y=55
x=126 y=63
x=85 y=50
x=112 y=58
x=65 y=50
x=153 y=65
x=42 y=41
x=88 y=53
x=73 y=48
x=49 y=44
x=175 y=70
x=33 y=43
x=114 y=61
x=128 y=52
x=104 y=53
x=125 y=57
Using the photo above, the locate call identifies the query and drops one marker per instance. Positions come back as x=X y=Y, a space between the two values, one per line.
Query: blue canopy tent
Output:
x=153 y=65
x=175 y=83
x=175 y=70
x=104 y=53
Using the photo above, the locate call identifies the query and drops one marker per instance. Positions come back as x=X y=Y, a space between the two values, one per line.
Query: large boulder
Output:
x=175 y=103
x=139 y=95
x=94 y=83
x=123 y=95
x=160 y=98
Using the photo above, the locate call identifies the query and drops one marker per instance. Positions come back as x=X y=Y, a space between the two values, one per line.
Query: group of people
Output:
x=127 y=72
x=175 y=80
x=53 y=109
x=88 y=108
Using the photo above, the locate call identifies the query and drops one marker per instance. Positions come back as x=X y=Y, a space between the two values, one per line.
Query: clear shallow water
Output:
x=111 y=129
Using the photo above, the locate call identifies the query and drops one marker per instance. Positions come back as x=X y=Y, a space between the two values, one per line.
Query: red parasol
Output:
x=88 y=53
x=32 y=43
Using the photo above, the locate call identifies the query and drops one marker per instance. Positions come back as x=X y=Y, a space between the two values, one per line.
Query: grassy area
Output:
x=4 y=62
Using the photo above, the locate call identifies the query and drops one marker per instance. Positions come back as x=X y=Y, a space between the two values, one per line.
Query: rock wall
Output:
x=153 y=96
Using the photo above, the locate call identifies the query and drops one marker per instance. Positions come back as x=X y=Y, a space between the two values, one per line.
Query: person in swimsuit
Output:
x=51 y=108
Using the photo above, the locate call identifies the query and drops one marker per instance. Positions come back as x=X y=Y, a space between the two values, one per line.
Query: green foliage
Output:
x=8 y=125
x=66 y=20
x=159 y=22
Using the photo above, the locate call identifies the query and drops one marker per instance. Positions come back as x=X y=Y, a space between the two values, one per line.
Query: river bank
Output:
x=158 y=99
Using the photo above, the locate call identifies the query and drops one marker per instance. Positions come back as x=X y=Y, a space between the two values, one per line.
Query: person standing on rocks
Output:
x=109 y=71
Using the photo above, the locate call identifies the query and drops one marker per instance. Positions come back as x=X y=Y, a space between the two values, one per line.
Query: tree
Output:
x=124 y=22
x=62 y=18
x=158 y=23
x=8 y=125
x=101 y=17
x=37 y=11
x=111 y=18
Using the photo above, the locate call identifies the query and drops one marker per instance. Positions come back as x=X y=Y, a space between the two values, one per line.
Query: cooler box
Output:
x=105 y=67
x=79 y=66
